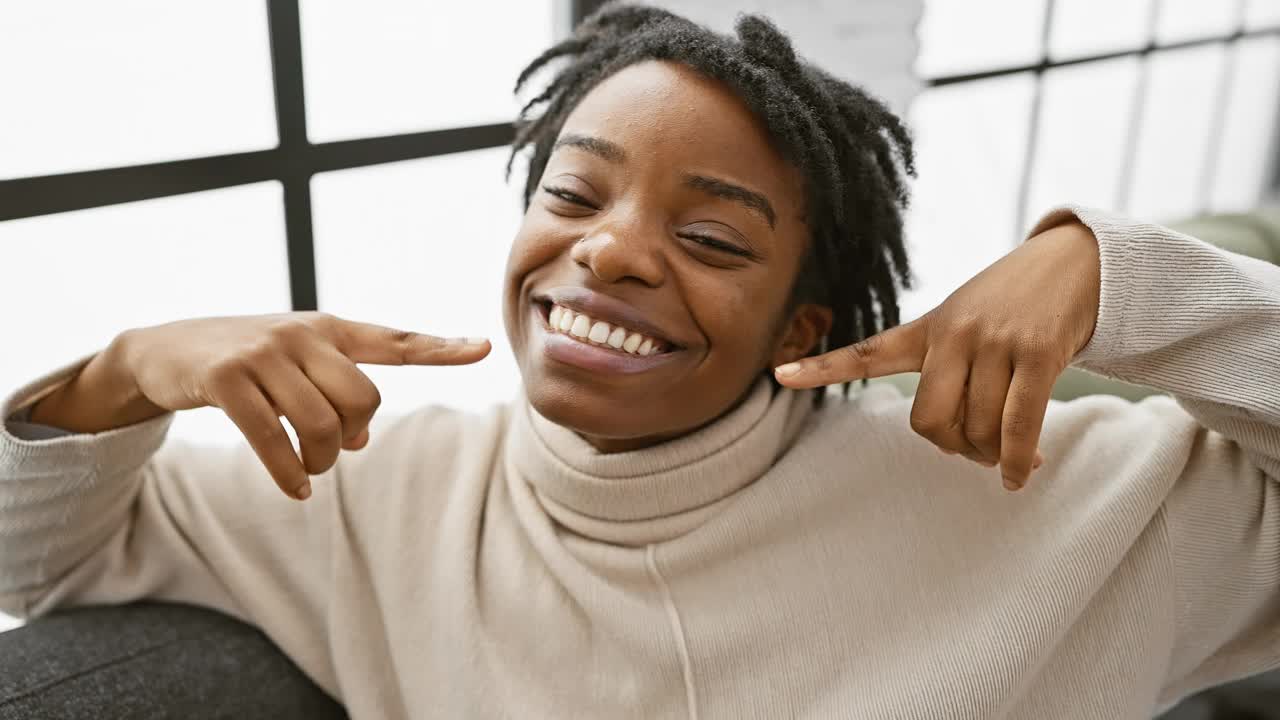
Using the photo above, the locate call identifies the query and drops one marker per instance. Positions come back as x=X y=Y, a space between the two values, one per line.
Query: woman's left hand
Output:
x=989 y=354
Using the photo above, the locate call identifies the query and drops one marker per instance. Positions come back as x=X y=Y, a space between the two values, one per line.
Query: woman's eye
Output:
x=568 y=196
x=715 y=244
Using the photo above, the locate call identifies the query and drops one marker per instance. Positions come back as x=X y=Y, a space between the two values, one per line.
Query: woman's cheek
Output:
x=539 y=240
x=736 y=322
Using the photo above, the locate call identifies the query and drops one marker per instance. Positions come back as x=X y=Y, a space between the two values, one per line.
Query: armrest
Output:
x=151 y=660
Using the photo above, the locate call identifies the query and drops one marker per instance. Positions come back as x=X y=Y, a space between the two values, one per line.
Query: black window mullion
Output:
x=292 y=162
x=360 y=152
x=943 y=80
x=1137 y=111
x=1226 y=78
x=291 y=122
x=48 y=194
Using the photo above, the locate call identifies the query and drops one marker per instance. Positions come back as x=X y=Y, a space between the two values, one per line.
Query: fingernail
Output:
x=787 y=370
x=1037 y=462
x=1010 y=485
x=468 y=341
x=304 y=491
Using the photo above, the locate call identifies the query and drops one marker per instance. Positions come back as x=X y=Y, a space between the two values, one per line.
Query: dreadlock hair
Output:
x=853 y=152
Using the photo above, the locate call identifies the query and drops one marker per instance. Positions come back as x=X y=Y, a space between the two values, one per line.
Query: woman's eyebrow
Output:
x=596 y=146
x=727 y=190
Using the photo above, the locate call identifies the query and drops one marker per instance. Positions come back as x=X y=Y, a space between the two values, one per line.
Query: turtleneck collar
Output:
x=660 y=492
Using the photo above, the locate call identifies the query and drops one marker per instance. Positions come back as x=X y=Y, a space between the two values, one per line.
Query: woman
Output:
x=666 y=524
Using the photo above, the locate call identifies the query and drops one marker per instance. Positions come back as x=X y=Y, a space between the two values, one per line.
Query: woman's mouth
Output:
x=585 y=329
x=575 y=338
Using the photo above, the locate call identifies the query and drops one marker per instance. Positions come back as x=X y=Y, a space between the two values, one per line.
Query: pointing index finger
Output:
x=379 y=345
x=896 y=350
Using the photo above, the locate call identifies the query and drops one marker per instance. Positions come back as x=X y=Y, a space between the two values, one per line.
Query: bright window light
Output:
x=1181 y=20
x=1077 y=30
x=970 y=143
x=962 y=36
x=80 y=278
x=392 y=66
x=422 y=245
x=1241 y=165
x=1080 y=152
x=1176 y=125
x=102 y=84
x=1260 y=14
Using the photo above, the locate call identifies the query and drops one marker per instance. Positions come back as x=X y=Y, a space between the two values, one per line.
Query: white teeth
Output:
x=599 y=332
x=616 y=337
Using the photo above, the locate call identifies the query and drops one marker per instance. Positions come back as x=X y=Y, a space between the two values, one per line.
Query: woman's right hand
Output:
x=301 y=366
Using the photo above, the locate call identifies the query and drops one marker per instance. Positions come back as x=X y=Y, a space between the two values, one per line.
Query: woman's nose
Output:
x=613 y=256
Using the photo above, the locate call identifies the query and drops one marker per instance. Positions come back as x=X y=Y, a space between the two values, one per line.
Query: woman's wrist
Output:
x=103 y=396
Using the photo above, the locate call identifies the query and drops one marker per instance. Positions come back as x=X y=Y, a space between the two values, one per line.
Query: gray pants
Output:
x=151 y=661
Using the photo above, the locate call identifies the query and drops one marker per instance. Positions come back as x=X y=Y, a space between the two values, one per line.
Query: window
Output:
x=184 y=137
x=1182 y=20
x=970 y=156
x=180 y=139
x=164 y=81
x=393 y=66
x=422 y=245
x=965 y=36
x=1157 y=108
x=218 y=252
x=1177 y=114
x=1075 y=30
x=1241 y=164
x=1261 y=14
x=1080 y=155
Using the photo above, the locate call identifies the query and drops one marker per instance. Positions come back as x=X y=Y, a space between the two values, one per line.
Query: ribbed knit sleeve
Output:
x=1203 y=324
x=123 y=515
x=82 y=483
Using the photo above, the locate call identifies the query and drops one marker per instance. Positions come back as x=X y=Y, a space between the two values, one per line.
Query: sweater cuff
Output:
x=38 y=449
x=1116 y=238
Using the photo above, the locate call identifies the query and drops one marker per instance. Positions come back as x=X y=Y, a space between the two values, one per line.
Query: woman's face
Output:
x=664 y=223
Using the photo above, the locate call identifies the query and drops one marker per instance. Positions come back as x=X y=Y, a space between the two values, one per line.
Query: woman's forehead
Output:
x=669 y=112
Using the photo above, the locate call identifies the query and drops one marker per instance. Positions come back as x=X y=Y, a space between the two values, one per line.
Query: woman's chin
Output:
x=579 y=410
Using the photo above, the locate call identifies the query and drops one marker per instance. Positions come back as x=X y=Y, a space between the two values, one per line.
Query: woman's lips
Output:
x=585 y=328
x=582 y=353
x=603 y=307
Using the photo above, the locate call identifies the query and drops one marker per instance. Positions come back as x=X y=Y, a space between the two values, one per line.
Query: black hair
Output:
x=854 y=153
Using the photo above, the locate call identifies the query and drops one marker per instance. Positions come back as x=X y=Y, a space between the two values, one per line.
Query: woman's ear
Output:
x=805 y=328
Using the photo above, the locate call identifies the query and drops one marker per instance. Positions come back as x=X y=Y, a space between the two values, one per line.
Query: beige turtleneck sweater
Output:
x=783 y=562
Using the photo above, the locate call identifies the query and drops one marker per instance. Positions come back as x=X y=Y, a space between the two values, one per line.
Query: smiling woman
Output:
x=712 y=197
x=685 y=249
x=675 y=518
